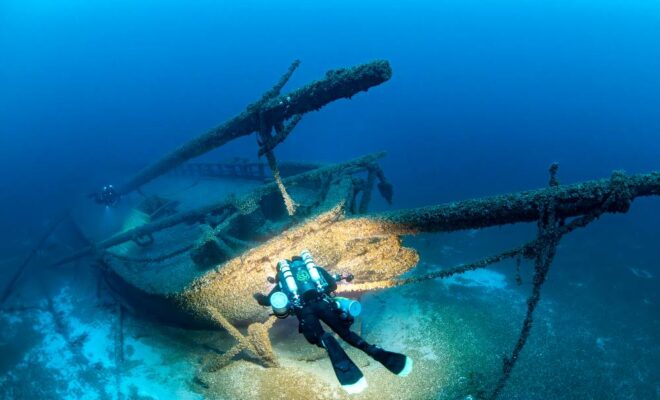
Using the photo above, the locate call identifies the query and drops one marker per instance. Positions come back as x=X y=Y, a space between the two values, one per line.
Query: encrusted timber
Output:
x=255 y=342
x=337 y=84
x=191 y=216
x=570 y=200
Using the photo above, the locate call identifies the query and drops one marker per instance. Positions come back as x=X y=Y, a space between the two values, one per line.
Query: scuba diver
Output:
x=306 y=290
x=108 y=196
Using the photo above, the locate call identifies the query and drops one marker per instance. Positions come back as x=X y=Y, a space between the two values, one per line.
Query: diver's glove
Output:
x=262 y=299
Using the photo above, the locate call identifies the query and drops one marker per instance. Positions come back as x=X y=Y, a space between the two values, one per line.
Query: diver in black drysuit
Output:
x=315 y=303
x=108 y=196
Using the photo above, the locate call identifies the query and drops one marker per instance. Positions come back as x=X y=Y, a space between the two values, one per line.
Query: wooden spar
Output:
x=571 y=201
x=200 y=213
x=272 y=109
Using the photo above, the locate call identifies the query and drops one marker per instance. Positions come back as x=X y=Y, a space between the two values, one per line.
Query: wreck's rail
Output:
x=338 y=84
x=570 y=201
x=199 y=213
x=241 y=170
x=236 y=170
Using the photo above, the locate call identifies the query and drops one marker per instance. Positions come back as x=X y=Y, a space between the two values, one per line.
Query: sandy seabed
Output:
x=455 y=330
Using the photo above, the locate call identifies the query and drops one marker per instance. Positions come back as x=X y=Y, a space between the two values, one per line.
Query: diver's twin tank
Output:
x=289 y=280
x=280 y=301
x=313 y=272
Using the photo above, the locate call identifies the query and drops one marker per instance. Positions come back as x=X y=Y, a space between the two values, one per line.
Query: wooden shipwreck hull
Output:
x=200 y=266
x=157 y=262
x=219 y=256
x=160 y=266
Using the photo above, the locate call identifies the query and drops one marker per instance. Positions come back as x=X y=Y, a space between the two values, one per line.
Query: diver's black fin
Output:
x=398 y=364
x=349 y=375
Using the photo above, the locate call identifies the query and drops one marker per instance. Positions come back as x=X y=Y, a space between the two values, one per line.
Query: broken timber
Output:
x=271 y=110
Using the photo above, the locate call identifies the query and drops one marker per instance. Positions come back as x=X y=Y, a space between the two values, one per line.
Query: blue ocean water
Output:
x=485 y=95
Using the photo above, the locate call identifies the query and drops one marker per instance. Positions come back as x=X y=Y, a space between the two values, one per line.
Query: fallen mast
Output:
x=271 y=110
x=570 y=201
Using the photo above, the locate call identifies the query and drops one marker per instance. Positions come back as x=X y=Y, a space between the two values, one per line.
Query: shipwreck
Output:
x=199 y=265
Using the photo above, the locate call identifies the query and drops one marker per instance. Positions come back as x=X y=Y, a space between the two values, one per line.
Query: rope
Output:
x=266 y=138
x=290 y=204
x=545 y=253
x=550 y=232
